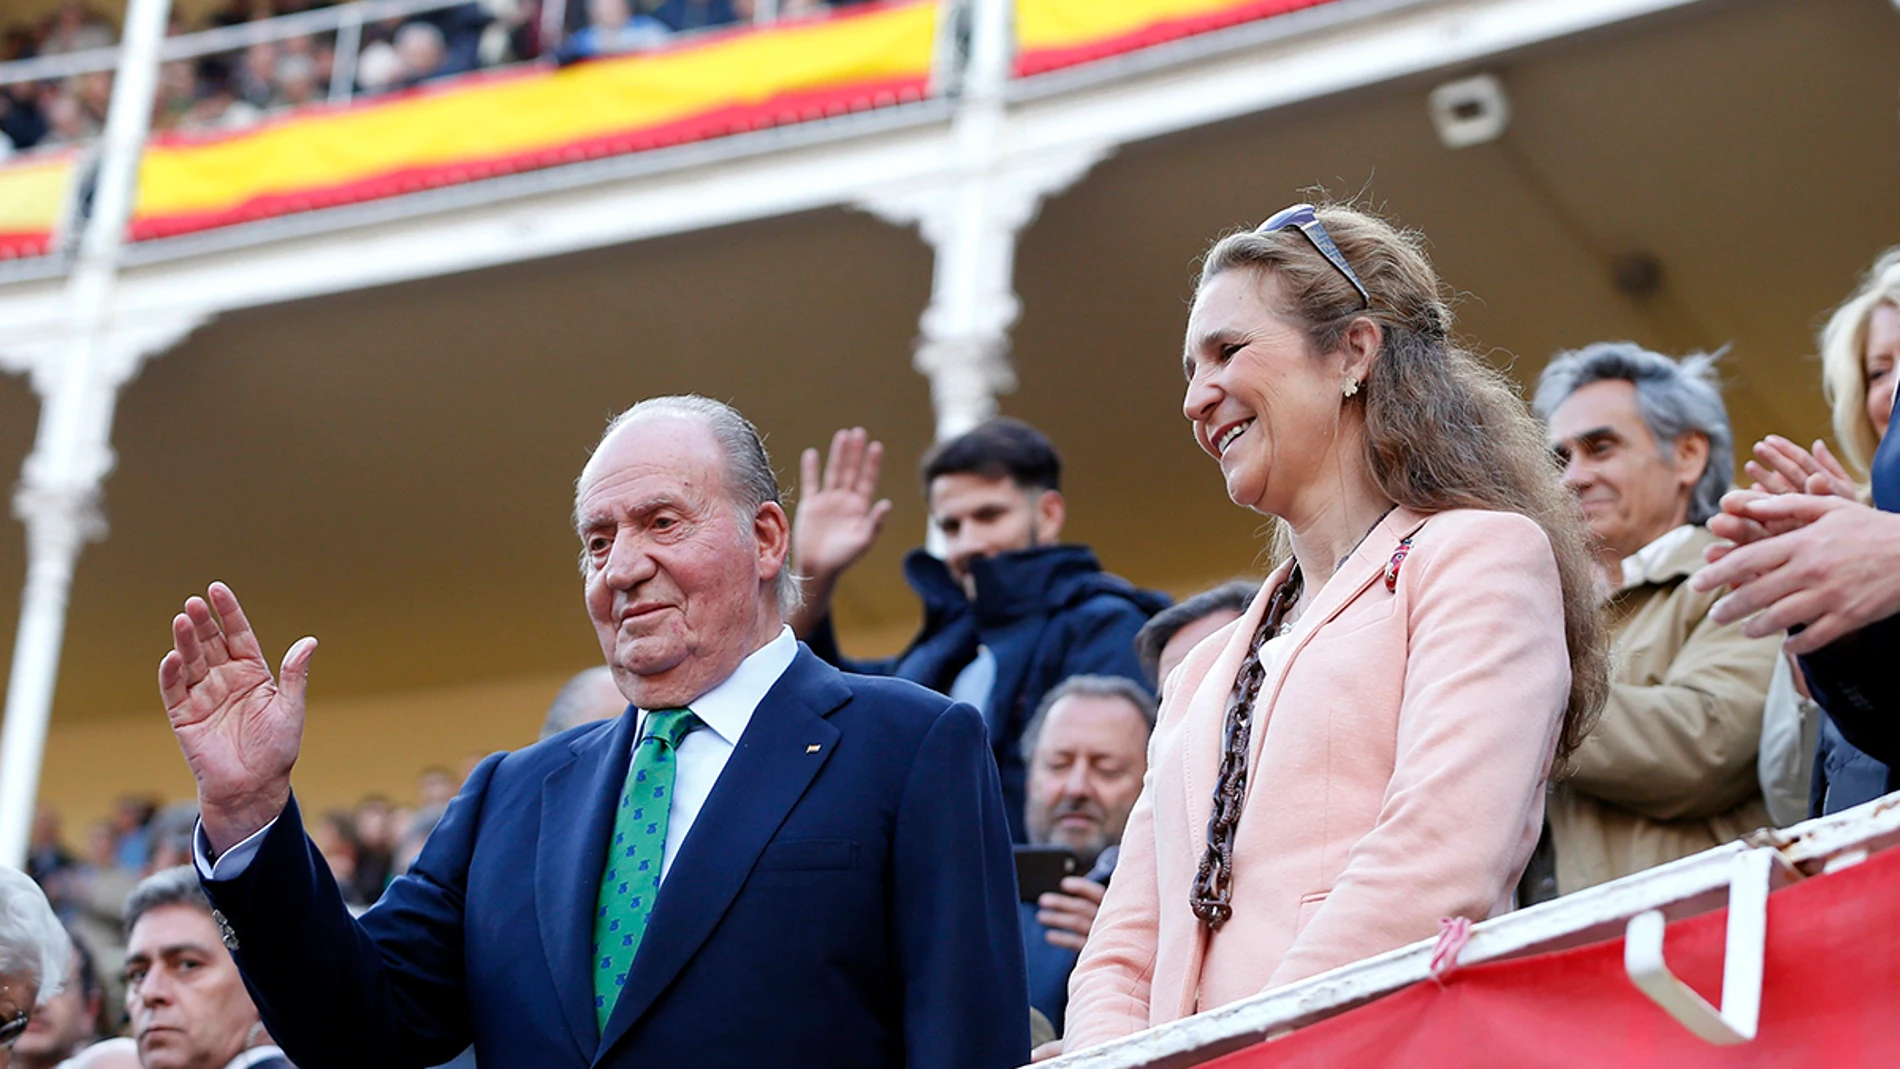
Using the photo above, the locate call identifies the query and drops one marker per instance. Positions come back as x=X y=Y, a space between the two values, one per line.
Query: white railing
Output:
x=1738 y=876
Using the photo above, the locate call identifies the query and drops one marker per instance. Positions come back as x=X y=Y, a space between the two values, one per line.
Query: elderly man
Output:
x=1009 y=609
x=187 y=1002
x=66 y=1022
x=762 y=859
x=1670 y=768
x=34 y=951
x=1087 y=750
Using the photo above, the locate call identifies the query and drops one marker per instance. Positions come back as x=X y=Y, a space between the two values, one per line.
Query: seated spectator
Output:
x=1164 y=641
x=1009 y=610
x=335 y=839
x=254 y=81
x=423 y=52
x=75 y=28
x=695 y=14
x=1087 y=749
x=612 y=28
x=296 y=81
x=34 y=954
x=589 y=696
x=188 y=1004
x=1670 y=767
x=376 y=846
x=1814 y=765
x=66 y=1022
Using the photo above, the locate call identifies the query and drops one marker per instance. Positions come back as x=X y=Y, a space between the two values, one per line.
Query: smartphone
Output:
x=1040 y=869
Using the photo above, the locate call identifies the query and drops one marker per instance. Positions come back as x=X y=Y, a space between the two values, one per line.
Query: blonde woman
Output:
x=1365 y=751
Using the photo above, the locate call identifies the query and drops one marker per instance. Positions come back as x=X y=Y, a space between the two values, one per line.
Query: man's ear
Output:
x=1692 y=458
x=773 y=533
x=1051 y=510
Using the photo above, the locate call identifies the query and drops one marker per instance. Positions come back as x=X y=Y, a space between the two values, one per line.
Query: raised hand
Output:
x=1782 y=467
x=239 y=728
x=838 y=518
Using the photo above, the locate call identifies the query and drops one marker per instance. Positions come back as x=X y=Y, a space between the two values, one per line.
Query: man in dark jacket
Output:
x=1009 y=611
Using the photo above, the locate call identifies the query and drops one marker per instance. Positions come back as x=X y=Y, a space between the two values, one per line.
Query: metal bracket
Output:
x=1743 y=958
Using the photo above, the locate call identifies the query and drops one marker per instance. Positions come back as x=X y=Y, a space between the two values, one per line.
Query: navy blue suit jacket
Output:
x=846 y=899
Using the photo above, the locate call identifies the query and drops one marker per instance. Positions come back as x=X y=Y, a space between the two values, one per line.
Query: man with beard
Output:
x=1087 y=751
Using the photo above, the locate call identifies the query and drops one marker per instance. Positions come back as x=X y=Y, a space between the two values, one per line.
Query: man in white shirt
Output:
x=764 y=860
x=1670 y=767
x=187 y=1002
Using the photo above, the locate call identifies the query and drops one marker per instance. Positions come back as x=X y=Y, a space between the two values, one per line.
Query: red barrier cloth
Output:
x=1831 y=997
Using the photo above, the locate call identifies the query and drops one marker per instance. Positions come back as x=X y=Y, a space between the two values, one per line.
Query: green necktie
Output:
x=630 y=880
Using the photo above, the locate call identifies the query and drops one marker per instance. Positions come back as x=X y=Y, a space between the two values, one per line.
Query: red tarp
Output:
x=1831 y=997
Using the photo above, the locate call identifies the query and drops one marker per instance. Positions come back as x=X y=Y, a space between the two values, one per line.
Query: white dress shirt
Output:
x=725 y=710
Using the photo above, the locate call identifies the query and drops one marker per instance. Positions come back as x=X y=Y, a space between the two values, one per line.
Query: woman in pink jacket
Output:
x=1365 y=751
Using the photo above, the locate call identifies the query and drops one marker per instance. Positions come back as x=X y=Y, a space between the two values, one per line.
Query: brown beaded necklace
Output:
x=1212 y=898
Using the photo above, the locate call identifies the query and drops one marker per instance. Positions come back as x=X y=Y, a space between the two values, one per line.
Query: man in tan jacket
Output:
x=1670 y=768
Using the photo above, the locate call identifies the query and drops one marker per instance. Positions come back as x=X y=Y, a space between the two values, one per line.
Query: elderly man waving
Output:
x=762 y=862
x=1670 y=768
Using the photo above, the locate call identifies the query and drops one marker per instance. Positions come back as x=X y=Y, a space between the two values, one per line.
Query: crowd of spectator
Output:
x=230 y=90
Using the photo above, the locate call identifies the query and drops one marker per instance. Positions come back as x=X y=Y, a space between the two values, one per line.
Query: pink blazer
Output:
x=1399 y=754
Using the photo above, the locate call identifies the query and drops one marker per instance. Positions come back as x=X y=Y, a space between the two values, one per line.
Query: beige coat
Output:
x=1400 y=746
x=1670 y=768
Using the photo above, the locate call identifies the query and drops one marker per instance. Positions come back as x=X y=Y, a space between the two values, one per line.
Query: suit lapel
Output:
x=577 y=807
x=768 y=772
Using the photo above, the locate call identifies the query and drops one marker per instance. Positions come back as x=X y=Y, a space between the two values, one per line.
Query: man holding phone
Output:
x=1086 y=750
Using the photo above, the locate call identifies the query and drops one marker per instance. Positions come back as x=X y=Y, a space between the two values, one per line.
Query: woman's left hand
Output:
x=1782 y=467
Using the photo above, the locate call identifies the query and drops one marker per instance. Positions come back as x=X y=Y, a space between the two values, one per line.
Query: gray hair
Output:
x=1674 y=398
x=32 y=942
x=176 y=886
x=1088 y=687
x=749 y=474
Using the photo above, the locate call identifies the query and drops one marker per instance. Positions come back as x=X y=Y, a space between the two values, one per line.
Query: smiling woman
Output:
x=1426 y=653
x=34 y=951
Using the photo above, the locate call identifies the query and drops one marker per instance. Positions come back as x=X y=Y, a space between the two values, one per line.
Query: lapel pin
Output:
x=813 y=748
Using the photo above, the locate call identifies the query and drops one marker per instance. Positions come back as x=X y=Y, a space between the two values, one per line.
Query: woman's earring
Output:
x=1351 y=388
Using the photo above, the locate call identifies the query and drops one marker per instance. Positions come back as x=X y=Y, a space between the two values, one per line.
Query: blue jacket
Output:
x=1046 y=614
x=1856 y=682
x=846 y=899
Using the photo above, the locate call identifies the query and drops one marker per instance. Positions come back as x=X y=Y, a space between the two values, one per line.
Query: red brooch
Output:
x=1392 y=566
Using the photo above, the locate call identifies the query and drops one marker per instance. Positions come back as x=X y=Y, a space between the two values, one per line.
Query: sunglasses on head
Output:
x=1301 y=217
x=12 y=1028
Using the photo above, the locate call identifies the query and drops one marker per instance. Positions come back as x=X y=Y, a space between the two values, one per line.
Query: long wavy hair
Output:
x=1443 y=429
x=1844 y=360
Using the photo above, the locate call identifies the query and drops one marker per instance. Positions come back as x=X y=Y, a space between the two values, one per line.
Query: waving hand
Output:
x=239 y=728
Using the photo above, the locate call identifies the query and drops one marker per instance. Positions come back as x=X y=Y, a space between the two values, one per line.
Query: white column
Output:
x=78 y=384
x=971 y=217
